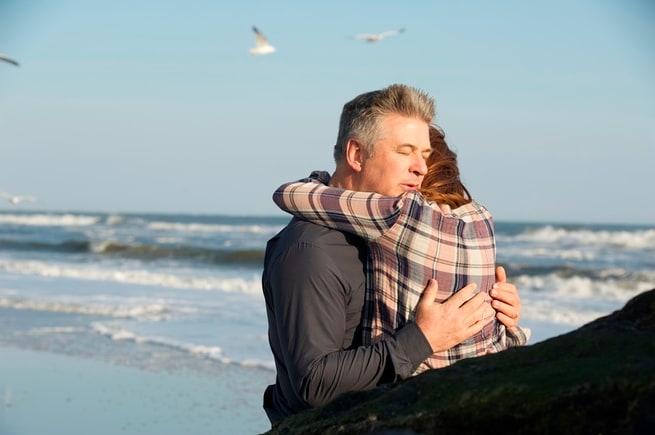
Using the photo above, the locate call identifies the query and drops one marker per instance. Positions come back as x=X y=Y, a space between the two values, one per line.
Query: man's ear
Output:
x=354 y=155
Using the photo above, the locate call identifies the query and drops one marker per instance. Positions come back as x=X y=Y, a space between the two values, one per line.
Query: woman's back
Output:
x=454 y=246
x=410 y=241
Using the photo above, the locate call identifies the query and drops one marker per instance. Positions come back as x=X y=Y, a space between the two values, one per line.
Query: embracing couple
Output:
x=387 y=268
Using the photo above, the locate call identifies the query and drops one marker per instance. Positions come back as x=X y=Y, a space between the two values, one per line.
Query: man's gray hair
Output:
x=360 y=117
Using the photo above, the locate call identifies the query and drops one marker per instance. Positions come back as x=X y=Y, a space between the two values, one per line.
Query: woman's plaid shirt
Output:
x=410 y=240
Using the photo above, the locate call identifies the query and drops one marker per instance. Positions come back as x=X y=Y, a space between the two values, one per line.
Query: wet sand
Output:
x=43 y=392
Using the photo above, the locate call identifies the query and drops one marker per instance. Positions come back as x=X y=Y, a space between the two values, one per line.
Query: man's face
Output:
x=398 y=163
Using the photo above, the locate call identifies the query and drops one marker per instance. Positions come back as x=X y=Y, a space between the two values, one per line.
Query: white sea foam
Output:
x=153 y=311
x=640 y=239
x=46 y=330
x=114 y=332
x=580 y=287
x=213 y=228
x=215 y=353
x=574 y=300
x=170 y=240
x=118 y=332
x=133 y=276
x=551 y=311
x=114 y=219
x=550 y=252
x=259 y=364
x=99 y=247
x=48 y=220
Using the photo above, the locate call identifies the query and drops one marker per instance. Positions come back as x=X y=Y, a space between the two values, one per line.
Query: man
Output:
x=314 y=277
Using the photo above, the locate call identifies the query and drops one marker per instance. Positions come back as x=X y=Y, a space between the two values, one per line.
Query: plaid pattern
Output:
x=410 y=240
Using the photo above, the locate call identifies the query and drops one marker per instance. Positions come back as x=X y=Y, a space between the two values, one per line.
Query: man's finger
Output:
x=464 y=294
x=430 y=292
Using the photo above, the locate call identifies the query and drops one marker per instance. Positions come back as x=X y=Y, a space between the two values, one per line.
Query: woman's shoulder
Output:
x=468 y=212
x=473 y=211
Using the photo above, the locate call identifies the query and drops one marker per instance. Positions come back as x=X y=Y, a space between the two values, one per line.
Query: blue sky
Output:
x=156 y=106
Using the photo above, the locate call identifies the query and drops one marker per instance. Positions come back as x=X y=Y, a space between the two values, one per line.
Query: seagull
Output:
x=263 y=47
x=376 y=37
x=15 y=199
x=6 y=396
x=8 y=60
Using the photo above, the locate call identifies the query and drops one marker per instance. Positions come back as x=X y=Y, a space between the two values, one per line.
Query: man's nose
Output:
x=419 y=165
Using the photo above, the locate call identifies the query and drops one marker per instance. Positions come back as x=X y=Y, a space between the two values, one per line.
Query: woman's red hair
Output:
x=442 y=184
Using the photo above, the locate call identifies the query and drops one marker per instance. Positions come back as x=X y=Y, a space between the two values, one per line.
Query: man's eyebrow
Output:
x=427 y=149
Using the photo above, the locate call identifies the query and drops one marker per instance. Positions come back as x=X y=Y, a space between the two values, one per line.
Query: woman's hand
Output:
x=505 y=300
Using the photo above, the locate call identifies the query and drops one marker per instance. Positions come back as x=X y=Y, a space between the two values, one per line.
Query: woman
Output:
x=439 y=232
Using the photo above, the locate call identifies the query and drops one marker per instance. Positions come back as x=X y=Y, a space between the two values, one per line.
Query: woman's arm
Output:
x=366 y=214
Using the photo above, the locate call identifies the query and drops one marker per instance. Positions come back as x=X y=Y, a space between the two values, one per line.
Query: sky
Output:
x=157 y=106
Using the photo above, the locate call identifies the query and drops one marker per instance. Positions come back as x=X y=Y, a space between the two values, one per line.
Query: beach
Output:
x=48 y=393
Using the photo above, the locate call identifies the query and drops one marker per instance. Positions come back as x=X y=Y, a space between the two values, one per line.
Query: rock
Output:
x=598 y=379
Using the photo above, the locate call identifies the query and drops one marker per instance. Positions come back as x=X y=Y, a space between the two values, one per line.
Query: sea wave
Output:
x=48 y=330
x=67 y=246
x=546 y=310
x=216 y=353
x=576 y=287
x=133 y=276
x=549 y=252
x=213 y=228
x=152 y=311
x=246 y=257
x=559 y=236
x=564 y=271
x=49 y=220
x=142 y=251
x=573 y=301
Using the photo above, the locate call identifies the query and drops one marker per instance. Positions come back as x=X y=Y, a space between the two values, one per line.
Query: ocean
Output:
x=182 y=292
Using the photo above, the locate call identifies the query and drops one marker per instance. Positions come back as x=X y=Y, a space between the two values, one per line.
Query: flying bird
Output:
x=262 y=44
x=15 y=199
x=6 y=396
x=8 y=60
x=377 y=37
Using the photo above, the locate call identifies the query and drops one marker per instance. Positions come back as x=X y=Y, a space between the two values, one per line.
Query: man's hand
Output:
x=449 y=323
x=506 y=300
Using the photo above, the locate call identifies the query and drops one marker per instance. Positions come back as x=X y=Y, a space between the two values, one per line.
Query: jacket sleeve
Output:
x=365 y=214
x=517 y=336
